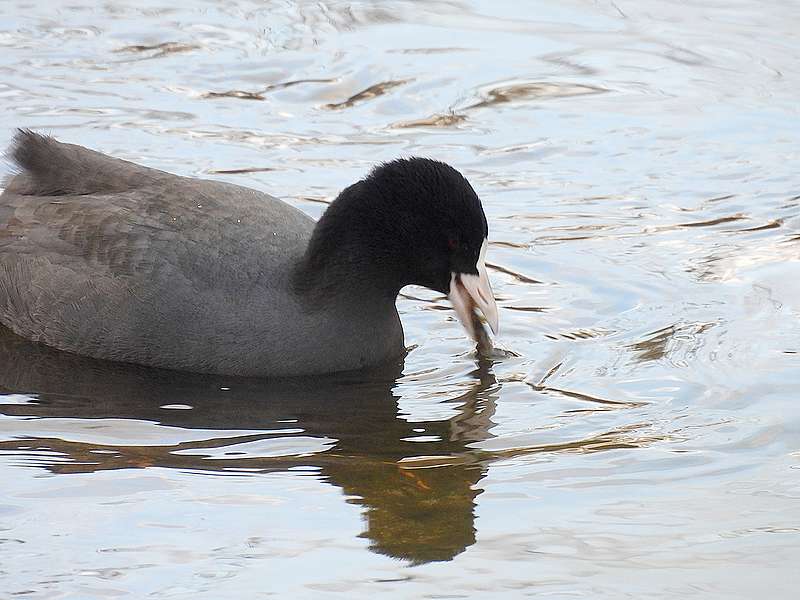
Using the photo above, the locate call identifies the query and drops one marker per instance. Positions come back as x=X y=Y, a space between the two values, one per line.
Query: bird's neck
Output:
x=353 y=252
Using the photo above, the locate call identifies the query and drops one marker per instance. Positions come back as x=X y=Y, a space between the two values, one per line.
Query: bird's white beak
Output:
x=469 y=291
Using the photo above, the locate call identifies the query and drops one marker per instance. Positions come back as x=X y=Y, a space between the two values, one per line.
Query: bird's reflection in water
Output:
x=417 y=481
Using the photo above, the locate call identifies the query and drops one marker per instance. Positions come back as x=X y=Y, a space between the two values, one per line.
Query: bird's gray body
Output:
x=109 y=259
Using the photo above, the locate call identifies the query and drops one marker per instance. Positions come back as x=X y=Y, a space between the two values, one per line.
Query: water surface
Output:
x=638 y=437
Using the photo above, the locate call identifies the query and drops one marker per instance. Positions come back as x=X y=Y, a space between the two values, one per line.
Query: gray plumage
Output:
x=109 y=259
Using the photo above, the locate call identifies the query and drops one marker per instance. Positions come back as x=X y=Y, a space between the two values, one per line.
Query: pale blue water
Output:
x=638 y=162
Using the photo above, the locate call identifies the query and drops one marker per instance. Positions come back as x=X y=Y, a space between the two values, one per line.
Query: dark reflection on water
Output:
x=420 y=509
x=416 y=481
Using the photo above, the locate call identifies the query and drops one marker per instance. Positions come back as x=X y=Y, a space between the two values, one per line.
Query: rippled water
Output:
x=638 y=162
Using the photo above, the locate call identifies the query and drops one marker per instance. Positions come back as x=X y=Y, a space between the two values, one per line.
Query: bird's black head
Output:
x=410 y=221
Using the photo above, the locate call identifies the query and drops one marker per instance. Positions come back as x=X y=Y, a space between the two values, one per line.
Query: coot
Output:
x=109 y=259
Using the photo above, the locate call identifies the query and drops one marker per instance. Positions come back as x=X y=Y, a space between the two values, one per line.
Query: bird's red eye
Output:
x=452 y=243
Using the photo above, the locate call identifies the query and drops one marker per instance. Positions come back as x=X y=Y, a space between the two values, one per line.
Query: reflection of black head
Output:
x=419 y=514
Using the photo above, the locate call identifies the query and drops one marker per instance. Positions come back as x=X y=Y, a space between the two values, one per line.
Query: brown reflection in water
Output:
x=373 y=91
x=712 y=222
x=578 y=334
x=698 y=224
x=629 y=437
x=158 y=50
x=605 y=403
x=241 y=171
x=506 y=244
x=656 y=345
x=418 y=514
x=538 y=309
x=448 y=120
x=515 y=92
x=515 y=274
x=261 y=94
x=239 y=94
x=315 y=199
x=774 y=224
